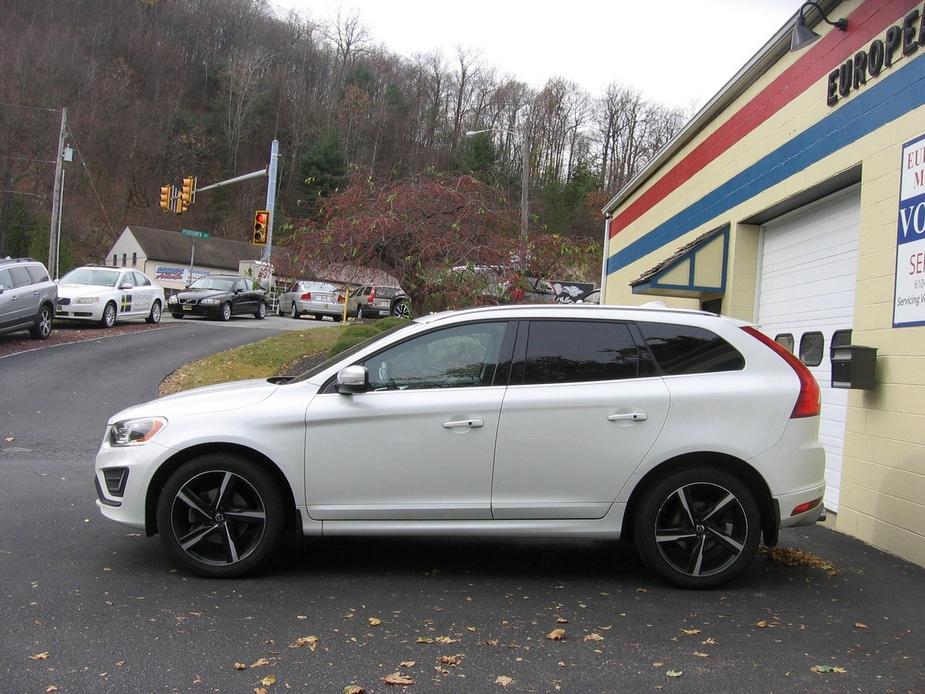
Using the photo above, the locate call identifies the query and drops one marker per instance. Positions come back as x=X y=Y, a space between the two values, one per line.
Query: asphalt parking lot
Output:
x=89 y=606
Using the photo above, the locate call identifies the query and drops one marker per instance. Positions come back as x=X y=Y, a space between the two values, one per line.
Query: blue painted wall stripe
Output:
x=873 y=108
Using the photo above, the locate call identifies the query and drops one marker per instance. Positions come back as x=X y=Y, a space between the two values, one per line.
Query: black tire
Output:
x=360 y=315
x=225 y=315
x=261 y=311
x=219 y=544
x=44 y=323
x=713 y=523
x=294 y=312
x=155 y=315
x=401 y=309
x=109 y=315
x=319 y=316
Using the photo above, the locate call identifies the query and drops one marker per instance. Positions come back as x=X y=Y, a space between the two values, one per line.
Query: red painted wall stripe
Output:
x=864 y=25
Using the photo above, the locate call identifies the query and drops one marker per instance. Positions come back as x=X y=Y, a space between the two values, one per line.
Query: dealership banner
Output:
x=909 y=294
x=170 y=273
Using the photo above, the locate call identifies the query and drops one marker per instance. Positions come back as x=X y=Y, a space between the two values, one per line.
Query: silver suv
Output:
x=27 y=297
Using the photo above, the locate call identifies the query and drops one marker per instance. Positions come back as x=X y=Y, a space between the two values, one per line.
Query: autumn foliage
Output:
x=423 y=229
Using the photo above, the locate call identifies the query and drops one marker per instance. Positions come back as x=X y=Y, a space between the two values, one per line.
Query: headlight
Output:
x=172 y=299
x=87 y=300
x=210 y=301
x=134 y=432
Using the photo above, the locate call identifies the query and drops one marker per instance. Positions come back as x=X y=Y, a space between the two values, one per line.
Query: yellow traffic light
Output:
x=166 y=195
x=188 y=191
x=261 y=219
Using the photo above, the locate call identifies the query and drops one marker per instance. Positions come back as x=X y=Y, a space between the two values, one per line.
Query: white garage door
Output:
x=806 y=291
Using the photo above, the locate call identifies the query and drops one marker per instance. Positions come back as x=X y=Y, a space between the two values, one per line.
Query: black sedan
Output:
x=219 y=296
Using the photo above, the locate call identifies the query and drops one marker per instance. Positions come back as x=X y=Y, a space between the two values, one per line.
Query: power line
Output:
x=39 y=161
x=31 y=108
x=90 y=178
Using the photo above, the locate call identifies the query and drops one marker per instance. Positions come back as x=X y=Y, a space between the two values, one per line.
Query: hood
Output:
x=201 y=293
x=208 y=399
x=72 y=291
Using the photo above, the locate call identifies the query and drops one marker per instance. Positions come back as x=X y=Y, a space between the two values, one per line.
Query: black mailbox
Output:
x=853 y=366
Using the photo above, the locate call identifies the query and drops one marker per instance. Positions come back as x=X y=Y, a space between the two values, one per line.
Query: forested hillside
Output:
x=160 y=89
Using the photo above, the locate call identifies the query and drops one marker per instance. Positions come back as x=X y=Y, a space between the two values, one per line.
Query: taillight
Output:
x=809 y=400
x=341 y=298
x=372 y=295
x=307 y=296
x=806 y=506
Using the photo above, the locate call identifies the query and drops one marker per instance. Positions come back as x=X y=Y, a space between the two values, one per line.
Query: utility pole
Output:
x=271 y=199
x=56 y=198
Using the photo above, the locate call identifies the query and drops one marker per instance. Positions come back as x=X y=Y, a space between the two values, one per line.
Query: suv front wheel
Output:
x=698 y=528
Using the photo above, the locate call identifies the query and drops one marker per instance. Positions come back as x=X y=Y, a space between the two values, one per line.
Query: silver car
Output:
x=27 y=297
x=318 y=299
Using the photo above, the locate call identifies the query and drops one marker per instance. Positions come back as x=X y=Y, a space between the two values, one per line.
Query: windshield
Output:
x=94 y=276
x=223 y=283
x=330 y=361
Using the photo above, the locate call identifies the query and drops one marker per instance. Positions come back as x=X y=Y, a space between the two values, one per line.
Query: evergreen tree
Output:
x=323 y=171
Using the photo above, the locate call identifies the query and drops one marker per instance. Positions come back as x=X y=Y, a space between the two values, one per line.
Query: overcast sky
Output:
x=678 y=52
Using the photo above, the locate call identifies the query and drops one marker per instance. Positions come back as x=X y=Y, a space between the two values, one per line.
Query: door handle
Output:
x=628 y=416
x=464 y=423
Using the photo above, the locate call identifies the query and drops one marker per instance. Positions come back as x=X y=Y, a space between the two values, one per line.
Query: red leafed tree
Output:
x=417 y=229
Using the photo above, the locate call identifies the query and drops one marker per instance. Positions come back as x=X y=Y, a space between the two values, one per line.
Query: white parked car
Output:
x=106 y=294
x=693 y=434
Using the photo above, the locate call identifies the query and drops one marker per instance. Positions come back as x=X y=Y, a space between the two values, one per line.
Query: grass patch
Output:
x=261 y=359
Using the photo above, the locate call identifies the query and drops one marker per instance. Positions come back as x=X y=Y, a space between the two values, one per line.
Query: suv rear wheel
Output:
x=698 y=528
x=43 y=323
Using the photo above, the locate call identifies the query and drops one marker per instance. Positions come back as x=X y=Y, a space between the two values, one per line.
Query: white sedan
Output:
x=105 y=294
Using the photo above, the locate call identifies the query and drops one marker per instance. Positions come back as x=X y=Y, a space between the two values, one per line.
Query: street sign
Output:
x=192 y=233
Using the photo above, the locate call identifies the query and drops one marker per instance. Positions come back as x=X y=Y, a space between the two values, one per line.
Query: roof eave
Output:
x=770 y=53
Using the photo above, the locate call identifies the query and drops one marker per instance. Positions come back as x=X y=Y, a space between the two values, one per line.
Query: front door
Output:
x=580 y=415
x=419 y=444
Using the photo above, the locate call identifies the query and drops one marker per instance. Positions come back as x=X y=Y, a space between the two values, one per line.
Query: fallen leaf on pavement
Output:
x=503 y=680
x=556 y=635
x=239 y=666
x=9 y=439
x=302 y=641
x=260 y=690
x=445 y=640
x=690 y=632
x=657 y=664
x=701 y=655
x=51 y=688
x=354 y=689
x=374 y=621
x=406 y=663
x=860 y=625
x=260 y=662
x=790 y=556
x=424 y=639
x=561 y=620
x=450 y=659
x=709 y=642
x=594 y=636
x=397 y=679
x=823 y=669
x=762 y=624
x=268 y=681
x=675 y=673
x=39 y=656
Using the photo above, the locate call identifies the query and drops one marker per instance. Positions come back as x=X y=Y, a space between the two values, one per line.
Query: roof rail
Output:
x=18 y=260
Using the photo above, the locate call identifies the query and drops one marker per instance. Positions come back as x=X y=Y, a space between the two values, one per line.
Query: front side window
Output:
x=685 y=349
x=142 y=280
x=459 y=357
x=575 y=351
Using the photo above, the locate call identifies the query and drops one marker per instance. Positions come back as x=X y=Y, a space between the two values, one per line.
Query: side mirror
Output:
x=238 y=290
x=352 y=379
x=126 y=285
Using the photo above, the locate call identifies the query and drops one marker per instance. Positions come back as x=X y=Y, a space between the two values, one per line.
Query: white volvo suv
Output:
x=692 y=434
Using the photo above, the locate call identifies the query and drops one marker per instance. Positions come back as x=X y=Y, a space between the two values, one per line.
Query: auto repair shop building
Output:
x=796 y=199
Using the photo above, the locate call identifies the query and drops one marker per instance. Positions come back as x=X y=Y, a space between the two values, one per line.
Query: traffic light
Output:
x=261 y=219
x=166 y=195
x=188 y=192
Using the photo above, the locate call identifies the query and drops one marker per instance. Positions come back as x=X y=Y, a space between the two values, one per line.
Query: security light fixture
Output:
x=802 y=35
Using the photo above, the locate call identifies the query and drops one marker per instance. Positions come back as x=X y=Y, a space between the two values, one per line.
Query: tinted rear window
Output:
x=684 y=349
x=37 y=272
x=575 y=351
x=20 y=276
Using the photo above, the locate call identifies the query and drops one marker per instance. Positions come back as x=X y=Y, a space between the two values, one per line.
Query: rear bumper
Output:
x=786 y=503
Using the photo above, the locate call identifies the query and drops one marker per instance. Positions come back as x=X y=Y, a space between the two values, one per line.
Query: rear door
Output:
x=8 y=304
x=581 y=412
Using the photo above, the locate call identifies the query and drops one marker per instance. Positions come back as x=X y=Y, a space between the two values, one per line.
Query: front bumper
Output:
x=208 y=310
x=141 y=463
x=74 y=311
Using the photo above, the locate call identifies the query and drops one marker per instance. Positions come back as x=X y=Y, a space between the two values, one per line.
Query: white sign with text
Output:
x=909 y=293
